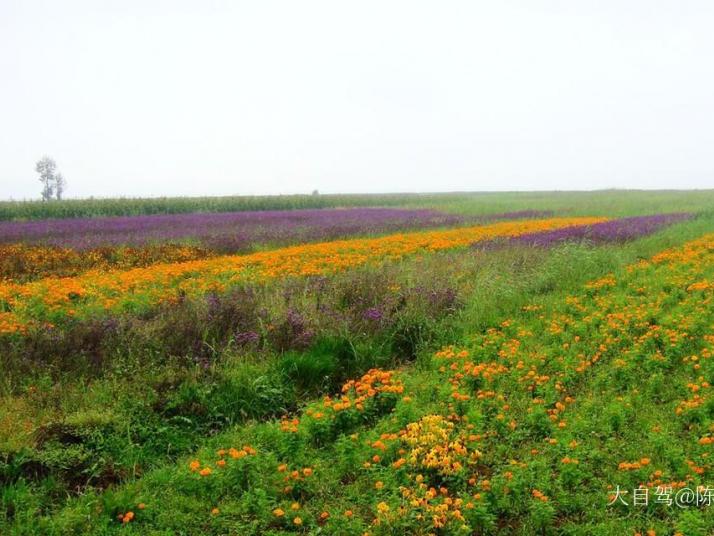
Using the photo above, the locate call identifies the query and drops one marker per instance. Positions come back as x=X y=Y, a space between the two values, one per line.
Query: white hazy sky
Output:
x=149 y=98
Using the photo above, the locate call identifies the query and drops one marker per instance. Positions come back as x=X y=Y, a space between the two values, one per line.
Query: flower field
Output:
x=52 y=299
x=532 y=375
x=66 y=247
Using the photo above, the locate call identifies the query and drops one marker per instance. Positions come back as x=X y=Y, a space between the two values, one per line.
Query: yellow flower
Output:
x=278 y=512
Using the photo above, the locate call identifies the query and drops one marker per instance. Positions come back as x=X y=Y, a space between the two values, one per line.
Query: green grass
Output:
x=602 y=202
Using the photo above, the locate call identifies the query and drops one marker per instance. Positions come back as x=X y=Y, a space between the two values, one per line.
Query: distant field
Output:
x=620 y=202
x=510 y=363
x=87 y=208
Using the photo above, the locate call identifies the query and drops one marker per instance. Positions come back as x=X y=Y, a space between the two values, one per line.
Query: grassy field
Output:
x=612 y=202
x=544 y=373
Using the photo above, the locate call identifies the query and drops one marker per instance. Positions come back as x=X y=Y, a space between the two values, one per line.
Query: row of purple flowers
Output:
x=619 y=230
x=235 y=231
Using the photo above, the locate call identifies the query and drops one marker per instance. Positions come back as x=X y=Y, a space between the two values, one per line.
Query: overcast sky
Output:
x=150 y=98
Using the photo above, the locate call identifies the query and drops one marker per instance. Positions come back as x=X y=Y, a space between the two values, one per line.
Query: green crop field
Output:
x=477 y=363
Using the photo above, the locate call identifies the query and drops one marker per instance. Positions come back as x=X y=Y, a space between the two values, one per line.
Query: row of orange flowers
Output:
x=51 y=299
x=21 y=262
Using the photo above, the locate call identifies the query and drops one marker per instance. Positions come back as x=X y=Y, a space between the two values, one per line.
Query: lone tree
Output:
x=52 y=183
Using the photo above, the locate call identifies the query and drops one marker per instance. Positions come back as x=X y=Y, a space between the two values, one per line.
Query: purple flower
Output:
x=246 y=338
x=373 y=314
x=619 y=230
x=227 y=231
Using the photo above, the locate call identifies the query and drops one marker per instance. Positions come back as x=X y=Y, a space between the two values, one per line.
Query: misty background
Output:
x=153 y=98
